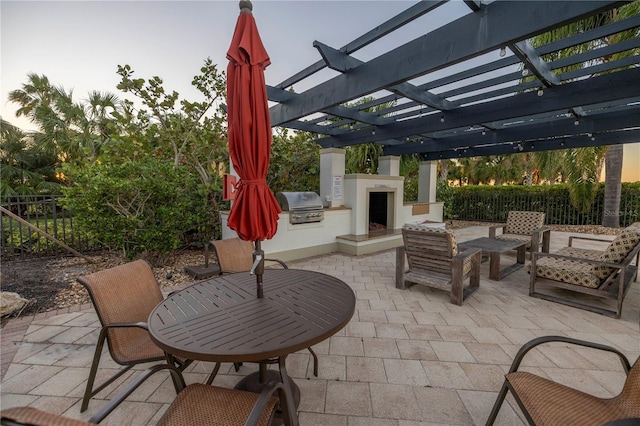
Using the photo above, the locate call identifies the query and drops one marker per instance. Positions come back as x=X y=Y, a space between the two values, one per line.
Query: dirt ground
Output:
x=51 y=283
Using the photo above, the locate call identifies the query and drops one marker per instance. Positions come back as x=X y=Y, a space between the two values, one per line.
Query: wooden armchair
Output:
x=547 y=403
x=195 y=405
x=434 y=261
x=605 y=274
x=524 y=226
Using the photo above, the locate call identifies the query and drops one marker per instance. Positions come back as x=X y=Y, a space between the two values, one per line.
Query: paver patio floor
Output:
x=408 y=357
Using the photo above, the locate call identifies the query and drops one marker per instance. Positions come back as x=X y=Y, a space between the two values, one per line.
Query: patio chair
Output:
x=545 y=402
x=196 y=405
x=606 y=275
x=524 y=226
x=236 y=255
x=434 y=261
x=123 y=297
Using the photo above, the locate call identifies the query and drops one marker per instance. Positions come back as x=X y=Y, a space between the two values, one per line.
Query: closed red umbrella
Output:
x=254 y=214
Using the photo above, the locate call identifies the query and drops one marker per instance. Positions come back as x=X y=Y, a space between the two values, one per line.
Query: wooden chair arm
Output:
x=493 y=228
x=543 y=233
x=468 y=253
x=576 y=237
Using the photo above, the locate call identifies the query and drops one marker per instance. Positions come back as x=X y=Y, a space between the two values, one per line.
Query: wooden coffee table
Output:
x=493 y=248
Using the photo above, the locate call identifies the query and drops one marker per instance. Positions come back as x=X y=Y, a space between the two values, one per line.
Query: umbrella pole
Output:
x=258 y=257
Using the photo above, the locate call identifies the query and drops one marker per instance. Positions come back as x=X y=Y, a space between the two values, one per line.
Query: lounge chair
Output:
x=546 y=403
x=434 y=261
x=605 y=274
x=524 y=226
x=123 y=297
x=195 y=405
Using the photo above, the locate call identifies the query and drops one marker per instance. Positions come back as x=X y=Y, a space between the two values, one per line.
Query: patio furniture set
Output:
x=220 y=320
x=217 y=320
x=436 y=260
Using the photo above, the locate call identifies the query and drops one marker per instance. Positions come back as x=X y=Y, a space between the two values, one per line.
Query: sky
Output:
x=79 y=44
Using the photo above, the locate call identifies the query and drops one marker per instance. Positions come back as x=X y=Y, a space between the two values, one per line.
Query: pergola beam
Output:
x=603 y=88
x=501 y=23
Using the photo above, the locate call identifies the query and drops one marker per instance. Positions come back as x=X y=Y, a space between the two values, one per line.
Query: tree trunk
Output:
x=444 y=171
x=612 y=186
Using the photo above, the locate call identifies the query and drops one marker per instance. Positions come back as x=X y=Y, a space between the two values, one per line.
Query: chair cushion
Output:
x=516 y=237
x=202 y=405
x=567 y=271
x=617 y=250
x=34 y=416
x=550 y=403
x=523 y=222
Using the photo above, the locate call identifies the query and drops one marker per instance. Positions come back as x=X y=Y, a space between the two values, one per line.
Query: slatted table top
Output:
x=221 y=319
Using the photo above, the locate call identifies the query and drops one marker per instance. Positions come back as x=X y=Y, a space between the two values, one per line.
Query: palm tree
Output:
x=76 y=130
x=582 y=181
x=25 y=167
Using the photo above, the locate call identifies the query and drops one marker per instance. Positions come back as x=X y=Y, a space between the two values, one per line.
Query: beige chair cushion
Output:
x=523 y=222
x=516 y=237
x=568 y=271
x=617 y=250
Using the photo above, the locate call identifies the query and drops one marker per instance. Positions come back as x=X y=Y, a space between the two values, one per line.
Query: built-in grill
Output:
x=303 y=207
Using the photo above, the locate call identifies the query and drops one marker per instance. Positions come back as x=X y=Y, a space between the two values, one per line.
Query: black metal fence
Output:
x=20 y=241
x=492 y=204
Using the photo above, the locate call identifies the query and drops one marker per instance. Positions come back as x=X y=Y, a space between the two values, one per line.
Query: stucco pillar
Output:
x=332 y=176
x=427 y=179
x=389 y=165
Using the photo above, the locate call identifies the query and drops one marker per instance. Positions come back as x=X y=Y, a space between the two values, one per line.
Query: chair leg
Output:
x=315 y=361
x=496 y=407
x=88 y=391
x=213 y=373
x=237 y=366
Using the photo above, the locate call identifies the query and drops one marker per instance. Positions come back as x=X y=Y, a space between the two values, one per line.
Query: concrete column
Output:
x=389 y=165
x=332 y=176
x=427 y=179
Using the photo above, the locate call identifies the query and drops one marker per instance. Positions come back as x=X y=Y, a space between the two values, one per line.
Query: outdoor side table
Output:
x=493 y=248
x=220 y=319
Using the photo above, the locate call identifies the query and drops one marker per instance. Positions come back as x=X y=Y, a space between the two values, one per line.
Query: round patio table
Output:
x=221 y=320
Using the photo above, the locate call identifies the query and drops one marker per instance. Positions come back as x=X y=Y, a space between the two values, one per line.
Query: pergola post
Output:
x=427 y=178
x=389 y=165
x=332 y=170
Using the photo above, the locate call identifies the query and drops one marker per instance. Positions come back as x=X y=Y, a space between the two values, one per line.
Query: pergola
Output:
x=474 y=86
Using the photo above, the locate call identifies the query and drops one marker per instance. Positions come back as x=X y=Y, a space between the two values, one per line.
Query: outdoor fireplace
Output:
x=380 y=210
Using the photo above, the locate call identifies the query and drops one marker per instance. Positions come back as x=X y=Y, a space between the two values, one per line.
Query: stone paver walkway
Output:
x=408 y=357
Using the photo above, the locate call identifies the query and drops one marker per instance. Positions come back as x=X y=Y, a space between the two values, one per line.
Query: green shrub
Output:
x=147 y=207
x=493 y=203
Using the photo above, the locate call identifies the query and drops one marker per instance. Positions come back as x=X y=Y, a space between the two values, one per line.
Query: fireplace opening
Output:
x=378 y=211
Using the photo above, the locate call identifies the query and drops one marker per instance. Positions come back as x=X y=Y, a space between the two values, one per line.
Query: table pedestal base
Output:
x=252 y=383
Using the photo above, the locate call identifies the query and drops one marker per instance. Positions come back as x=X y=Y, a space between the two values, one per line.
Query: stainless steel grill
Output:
x=303 y=207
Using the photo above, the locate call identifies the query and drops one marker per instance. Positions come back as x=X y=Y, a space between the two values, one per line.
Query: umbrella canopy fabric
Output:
x=254 y=214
